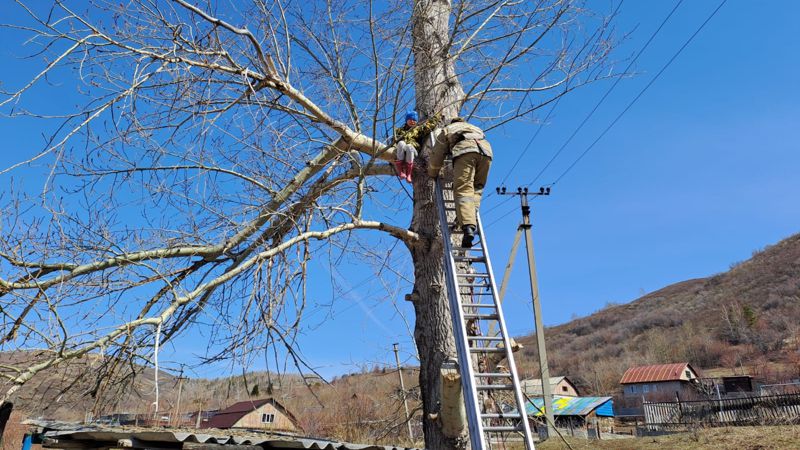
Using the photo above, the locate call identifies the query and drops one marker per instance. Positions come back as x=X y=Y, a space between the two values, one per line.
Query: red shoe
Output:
x=399 y=167
x=409 y=170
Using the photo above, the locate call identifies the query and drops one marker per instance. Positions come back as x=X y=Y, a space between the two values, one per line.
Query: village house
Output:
x=660 y=382
x=532 y=387
x=264 y=414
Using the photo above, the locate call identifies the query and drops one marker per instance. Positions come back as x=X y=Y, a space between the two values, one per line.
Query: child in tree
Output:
x=408 y=141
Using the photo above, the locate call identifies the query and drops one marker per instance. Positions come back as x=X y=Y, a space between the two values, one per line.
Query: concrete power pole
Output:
x=525 y=228
x=403 y=392
x=177 y=414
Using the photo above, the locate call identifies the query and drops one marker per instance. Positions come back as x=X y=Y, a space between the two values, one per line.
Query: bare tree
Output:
x=217 y=146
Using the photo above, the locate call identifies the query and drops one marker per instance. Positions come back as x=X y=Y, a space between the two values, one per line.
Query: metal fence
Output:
x=771 y=409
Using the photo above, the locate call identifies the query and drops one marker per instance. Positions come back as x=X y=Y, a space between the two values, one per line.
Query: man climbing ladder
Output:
x=472 y=157
x=494 y=405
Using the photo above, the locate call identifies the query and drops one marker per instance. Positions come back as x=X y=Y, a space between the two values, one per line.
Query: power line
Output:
x=516 y=208
x=555 y=105
x=669 y=62
x=503 y=202
x=607 y=93
x=639 y=95
x=544 y=121
x=533 y=138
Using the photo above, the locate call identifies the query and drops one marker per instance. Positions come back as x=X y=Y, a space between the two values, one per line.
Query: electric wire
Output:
x=541 y=126
x=639 y=95
x=533 y=138
x=607 y=93
x=538 y=130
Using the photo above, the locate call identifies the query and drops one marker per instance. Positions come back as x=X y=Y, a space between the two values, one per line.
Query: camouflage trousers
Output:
x=470 y=171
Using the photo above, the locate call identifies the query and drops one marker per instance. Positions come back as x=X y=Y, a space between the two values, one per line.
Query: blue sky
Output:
x=698 y=174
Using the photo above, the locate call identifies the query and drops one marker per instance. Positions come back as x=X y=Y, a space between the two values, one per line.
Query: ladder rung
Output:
x=469 y=259
x=495 y=387
x=478 y=305
x=499 y=429
x=500 y=416
x=476 y=295
x=487 y=350
x=474 y=248
x=481 y=316
x=485 y=338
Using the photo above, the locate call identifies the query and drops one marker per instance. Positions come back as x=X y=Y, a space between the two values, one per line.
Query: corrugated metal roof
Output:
x=108 y=437
x=657 y=372
x=573 y=406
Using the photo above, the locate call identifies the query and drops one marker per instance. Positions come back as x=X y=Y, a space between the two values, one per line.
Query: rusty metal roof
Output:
x=657 y=372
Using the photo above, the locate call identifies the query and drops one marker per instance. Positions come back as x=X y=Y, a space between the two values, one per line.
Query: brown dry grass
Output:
x=740 y=438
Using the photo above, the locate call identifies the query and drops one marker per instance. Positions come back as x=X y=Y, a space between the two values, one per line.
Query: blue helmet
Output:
x=412 y=115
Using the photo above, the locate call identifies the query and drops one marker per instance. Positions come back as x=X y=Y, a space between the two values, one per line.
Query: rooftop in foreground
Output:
x=80 y=436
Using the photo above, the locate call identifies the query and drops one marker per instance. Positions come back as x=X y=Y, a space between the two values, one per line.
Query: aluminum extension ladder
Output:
x=495 y=406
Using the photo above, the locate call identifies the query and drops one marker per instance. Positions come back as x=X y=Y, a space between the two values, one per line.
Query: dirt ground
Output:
x=740 y=438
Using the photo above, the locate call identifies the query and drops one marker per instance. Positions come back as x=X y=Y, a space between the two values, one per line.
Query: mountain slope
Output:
x=747 y=316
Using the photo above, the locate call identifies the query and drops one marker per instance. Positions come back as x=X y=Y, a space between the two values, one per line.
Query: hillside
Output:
x=746 y=319
x=748 y=316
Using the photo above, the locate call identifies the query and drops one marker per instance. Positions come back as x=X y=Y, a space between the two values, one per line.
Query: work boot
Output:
x=409 y=169
x=469 y=235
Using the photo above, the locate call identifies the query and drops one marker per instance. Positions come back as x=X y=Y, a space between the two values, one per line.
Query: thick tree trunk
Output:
x=437 y=90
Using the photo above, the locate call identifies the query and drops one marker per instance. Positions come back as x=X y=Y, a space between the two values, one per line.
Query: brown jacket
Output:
x=457 y=139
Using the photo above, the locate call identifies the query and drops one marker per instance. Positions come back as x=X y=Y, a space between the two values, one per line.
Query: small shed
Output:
x=737 y=383
x=532 y=387
x=264 y=414
x=580 y=415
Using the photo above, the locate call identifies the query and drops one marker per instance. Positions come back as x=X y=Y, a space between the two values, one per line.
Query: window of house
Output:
x=267 y=418
x=688 y=374
x=563 y=389
x=646 y=388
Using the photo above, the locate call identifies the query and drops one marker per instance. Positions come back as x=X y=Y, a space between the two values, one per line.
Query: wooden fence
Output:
x=772 y=409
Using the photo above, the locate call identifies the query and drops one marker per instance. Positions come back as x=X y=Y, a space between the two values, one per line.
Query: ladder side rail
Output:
x=457 y=314
x=512 y=366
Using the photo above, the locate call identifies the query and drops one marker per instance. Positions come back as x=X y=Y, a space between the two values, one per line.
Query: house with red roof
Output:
x=660 y=382
x=263 y=414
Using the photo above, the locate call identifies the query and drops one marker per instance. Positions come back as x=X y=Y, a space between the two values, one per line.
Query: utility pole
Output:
x=403 y=392
x=199 y=416
x=525 y=228
x=177 y=414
